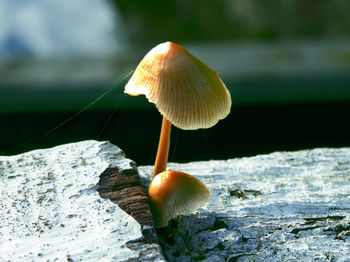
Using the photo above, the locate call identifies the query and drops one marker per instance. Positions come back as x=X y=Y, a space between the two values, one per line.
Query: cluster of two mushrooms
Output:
x=189 y=95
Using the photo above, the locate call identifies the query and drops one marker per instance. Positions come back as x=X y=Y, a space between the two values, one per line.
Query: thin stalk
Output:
x=163 y=148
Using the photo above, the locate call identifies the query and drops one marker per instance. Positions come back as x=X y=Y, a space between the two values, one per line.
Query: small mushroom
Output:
x=172 y=193
x=189 y=95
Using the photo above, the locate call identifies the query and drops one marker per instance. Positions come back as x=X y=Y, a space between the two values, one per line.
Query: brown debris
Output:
x=124 y=188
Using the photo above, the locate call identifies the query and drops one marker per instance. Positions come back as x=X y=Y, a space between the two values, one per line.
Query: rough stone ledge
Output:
x=287 y=206
x=51 y=209
x=284 y=206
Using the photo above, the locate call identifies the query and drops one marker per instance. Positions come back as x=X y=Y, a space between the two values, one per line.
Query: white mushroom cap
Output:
x=184 y=89
x=174 y=193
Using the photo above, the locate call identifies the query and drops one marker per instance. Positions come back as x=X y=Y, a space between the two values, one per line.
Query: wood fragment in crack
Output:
x=124 y=188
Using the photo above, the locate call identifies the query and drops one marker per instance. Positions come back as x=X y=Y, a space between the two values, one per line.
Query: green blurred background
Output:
x=232 y=20
x=286 y=64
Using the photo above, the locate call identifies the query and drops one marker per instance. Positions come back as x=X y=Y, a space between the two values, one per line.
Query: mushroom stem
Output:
x=163 y=148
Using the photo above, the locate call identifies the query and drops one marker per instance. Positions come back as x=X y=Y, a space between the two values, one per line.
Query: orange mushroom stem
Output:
x=163 y=148
x=189 y=95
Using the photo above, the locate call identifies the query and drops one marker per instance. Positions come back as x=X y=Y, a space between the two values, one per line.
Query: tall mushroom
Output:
x=189 y=95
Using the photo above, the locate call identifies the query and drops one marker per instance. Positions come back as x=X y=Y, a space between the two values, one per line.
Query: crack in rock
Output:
x=284 y=206
x=52 y=211
x=124 y=188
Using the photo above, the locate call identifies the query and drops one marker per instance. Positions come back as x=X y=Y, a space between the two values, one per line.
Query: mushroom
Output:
x=189 y=95
x=173 y=193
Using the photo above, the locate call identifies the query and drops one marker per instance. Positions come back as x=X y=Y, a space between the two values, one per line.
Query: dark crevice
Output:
x=244 y=194
x=299 y=229
x=125 y=189
x=313 y=220
x=219 y=224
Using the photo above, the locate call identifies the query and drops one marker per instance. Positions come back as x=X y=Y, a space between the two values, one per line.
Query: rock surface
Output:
x=51 y=209
x=289 y=206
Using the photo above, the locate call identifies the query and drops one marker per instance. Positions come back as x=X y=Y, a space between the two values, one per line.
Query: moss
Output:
x=44 y=195
x=49 y=176
x=200 y=256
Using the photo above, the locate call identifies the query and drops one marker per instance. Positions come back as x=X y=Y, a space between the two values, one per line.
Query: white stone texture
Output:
x=288 y=206
x=51 y=210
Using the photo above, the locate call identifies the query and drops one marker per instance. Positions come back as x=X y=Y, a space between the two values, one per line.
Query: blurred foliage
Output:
x=186 y=20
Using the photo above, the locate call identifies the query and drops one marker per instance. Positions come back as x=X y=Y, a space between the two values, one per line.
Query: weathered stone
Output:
x=289 y=206
x=51 y=209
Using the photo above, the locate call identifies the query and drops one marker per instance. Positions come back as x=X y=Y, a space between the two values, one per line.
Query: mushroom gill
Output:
x=184 y=89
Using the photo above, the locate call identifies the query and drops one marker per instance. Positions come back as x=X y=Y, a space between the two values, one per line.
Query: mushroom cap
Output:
x=174 y=193
x=185 y=90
